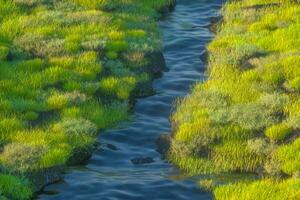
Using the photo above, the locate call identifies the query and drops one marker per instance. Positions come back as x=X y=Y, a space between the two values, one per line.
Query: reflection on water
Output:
x=110 y=174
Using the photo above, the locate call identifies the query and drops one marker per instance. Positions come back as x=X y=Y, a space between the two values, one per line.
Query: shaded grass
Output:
x=15 y=188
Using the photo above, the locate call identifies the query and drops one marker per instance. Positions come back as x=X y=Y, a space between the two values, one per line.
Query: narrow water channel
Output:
x=110 y=174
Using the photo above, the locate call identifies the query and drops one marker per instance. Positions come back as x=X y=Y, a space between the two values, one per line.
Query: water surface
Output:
x=110 y=174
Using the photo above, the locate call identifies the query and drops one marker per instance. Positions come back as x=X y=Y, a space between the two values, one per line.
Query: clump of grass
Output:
x=30 y=116
x=15 y=188
x=54 y=157
x=288 y=155
x=21 y=157
x=3 y=53
x=117 y=46
x=57 y=101
x=235 y=156
x=260 y=146
x=75 y=127
x=278 y=132
x=7 y=125
x=207 y=184
x=112 y=55
x=294 y=84
x=121 y=87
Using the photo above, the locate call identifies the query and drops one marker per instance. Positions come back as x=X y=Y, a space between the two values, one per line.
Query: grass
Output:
x=260 y=190
x=15 y=188
x=245 y=117
x=68 y=70
x=278 y=132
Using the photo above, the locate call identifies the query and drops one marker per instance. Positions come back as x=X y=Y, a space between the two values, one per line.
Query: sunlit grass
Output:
x=260 y=190
x=245 y=117
x=67 y=71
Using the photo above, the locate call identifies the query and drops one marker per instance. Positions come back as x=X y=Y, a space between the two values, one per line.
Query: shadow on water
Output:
x=110 y=174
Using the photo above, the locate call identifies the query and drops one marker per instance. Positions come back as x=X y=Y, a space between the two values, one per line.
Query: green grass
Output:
x=245 y=117
x=15 y=188
x=260 y=190
x=278 y=132
x=68 y=70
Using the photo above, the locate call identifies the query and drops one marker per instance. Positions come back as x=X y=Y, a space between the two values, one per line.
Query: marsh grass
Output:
x=245 y=118
x=59 y=63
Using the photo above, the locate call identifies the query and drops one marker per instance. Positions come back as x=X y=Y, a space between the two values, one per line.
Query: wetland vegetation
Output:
x=68 y=69
x=71 y=68
x=240 y=128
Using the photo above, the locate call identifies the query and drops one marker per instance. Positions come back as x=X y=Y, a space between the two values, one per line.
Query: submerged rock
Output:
x=112 y=147
x=44 y=177
x=215 y=23
x=157 y=65
x=142 y=160
x=80 y=155
x=163 y=144
x=166 y=9
x=204 y=56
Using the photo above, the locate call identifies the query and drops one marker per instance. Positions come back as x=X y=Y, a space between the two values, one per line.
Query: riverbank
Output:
x=239 y=130
x=68 y=70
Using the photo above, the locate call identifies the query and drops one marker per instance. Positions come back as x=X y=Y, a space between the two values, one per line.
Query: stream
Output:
x=110 y=174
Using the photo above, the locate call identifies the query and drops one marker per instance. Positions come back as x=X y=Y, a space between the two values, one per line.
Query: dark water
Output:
x=110 y=173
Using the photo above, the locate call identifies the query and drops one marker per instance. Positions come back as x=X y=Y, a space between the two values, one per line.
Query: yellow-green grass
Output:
x=67 y=70
x=246 y=117
x=260 y=190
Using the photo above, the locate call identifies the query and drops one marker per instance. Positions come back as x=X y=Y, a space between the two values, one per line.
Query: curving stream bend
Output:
x=110 y=174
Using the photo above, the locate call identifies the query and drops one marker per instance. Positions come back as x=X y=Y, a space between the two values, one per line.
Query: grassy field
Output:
x=245 y=119
x=67 y=70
